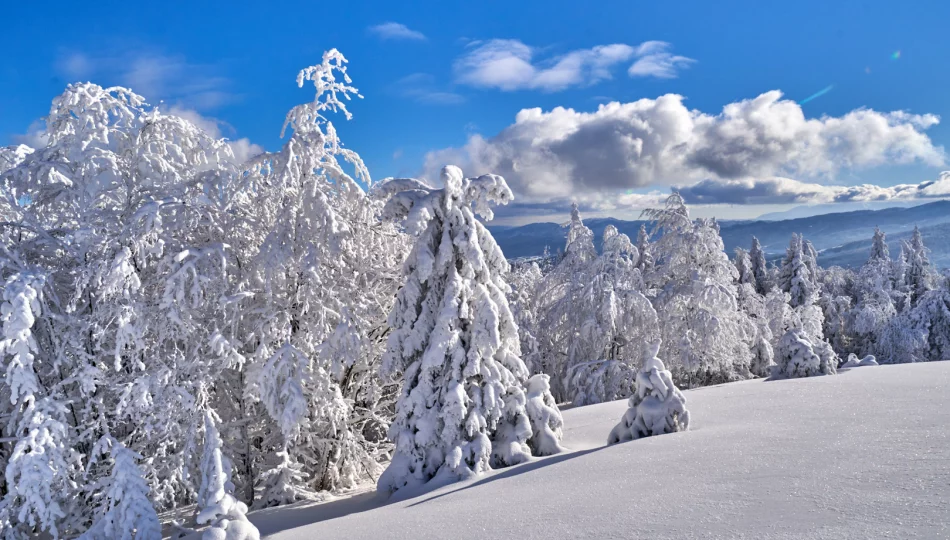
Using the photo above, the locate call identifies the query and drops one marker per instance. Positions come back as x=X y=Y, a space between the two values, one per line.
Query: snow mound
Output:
x=755 y=463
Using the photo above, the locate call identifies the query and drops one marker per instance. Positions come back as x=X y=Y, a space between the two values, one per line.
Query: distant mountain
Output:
x=809 y=210
x=843 y=238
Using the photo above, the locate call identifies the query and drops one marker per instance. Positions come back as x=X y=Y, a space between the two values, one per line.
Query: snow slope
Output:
x=862 y=454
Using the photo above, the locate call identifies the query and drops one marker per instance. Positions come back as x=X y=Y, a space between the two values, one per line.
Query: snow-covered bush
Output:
x=854 y=361
x=796 y=357
x=599 y=381
x=657 y=407
x=546 y=421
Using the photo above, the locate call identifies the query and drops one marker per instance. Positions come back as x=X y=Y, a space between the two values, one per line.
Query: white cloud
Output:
x=394 y=30
x=35 y=136
x=422 y=88
x=655 y=60
x=242 y=148
x=509 y=64
x=778 y=190
x=506 y=64
x=590 y=156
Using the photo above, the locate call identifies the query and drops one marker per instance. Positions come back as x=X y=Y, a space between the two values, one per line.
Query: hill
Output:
x=859 y=455
x=844 y=232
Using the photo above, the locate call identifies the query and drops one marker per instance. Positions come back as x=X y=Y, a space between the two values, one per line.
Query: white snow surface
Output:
x=864 y=454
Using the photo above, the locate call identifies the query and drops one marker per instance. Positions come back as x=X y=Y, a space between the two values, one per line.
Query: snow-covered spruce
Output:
x=657 y=407
x=454 y=339
x=217 y=507
x=796 y=357
x=128 y=512
x=599 y=381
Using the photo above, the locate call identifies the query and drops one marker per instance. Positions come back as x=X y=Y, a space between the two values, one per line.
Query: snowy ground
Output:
x=865 y=454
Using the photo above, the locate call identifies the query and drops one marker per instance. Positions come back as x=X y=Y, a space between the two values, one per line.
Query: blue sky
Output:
x=443 y=72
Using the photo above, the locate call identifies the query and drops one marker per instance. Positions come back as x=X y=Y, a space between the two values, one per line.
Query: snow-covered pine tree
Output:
x=217 y=507
x=919 y=277
x=128 y=512
x=759 y=268
x=454 y=339
x=744 y=266
x=796 y=276
x=645 y=262
x=874 y=291
x=658 y=406
x=796 y=357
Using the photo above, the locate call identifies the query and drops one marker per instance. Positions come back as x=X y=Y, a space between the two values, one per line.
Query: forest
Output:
x=183 y=329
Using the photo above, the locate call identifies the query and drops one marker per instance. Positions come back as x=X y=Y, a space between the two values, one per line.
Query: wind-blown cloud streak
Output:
x=396 y=31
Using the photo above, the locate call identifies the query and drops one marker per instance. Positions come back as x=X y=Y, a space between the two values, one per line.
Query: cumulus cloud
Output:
x=563 y=153
x=242 y=148
x=509 y=64
x=778 y=190
x=394 y=30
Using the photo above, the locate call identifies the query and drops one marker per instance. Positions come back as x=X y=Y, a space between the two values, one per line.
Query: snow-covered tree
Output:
x=524 y=280
x=645 y=262
x=796 y=357
x=217 y=507
x=875 y=296
x=744 y=267
x=706 y=337
x=454 y=339
x=796 y=276
x=759 y=269
x=128 y=512
x=658 y=407
x=919 y=276
x=546 y=421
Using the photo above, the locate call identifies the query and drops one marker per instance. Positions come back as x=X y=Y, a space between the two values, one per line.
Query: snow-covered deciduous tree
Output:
x=706 y=337
x=657 y=407
x=524 y=280
x=599 y=381
x=796 y=357
x=454 y=339
x=128 y=512
x=149 y=277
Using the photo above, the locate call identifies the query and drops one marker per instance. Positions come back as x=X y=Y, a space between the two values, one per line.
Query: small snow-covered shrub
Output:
x=853 y=361
x=657 y=407
x=797 y=357
x=600 y=381
x=546 y=421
